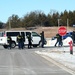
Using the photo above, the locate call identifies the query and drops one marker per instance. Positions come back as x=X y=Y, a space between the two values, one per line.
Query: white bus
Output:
x=35 y=37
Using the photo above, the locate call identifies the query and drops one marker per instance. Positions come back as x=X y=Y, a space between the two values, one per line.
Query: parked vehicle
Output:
x=35 y=37
x=65 y=39
x=69 y=34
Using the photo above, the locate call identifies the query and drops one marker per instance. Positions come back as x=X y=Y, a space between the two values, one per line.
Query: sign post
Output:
x=62 y=31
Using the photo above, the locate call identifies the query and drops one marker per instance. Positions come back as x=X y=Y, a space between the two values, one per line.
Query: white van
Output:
x=35 y=37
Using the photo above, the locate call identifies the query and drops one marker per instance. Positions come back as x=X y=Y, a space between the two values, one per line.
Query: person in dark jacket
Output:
x=58 y=39
x=73 y=37
x=9 y=40
x=42 y=39
x=29 y=40
x=23 y=40
x=19 y=40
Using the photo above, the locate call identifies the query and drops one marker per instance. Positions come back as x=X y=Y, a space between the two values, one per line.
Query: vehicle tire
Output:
x=13 y=44
x=5 y=46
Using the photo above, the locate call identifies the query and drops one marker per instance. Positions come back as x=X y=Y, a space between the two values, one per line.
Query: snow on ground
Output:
x=51 y=42
x=61 y=55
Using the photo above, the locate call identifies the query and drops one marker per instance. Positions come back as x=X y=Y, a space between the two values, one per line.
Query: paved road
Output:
x=26 y=62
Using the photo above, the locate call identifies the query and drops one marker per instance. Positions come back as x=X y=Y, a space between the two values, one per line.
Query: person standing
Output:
x=29 y=40
x=58 y=40
x=9 y=40
x=23 y=40
x=73 y=37
x=19 y=40
x=42 y=39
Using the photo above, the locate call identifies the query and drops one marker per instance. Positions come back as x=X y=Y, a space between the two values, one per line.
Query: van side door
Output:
x=23 y=34
x=27 y=33
x=36 y=38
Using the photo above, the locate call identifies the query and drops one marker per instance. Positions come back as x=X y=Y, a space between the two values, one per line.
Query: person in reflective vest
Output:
x=9 y=40
x=19 y=40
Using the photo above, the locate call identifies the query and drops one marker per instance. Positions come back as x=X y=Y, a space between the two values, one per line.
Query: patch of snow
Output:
x=64 y=58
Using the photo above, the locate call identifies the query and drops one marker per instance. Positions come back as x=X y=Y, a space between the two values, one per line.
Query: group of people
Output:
x=59 y=40
x=20 y=40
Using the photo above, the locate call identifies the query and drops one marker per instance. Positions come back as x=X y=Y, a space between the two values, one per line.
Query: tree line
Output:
x=38 y=18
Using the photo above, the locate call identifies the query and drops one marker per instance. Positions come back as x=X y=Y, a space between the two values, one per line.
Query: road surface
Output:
x=26 y=62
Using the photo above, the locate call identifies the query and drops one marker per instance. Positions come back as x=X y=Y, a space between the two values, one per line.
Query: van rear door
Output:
x=3 y=38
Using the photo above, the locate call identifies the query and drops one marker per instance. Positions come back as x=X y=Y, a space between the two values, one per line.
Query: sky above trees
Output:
x=22 y=7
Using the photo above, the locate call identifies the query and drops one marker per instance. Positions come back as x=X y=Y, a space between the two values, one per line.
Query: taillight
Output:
x=4 y=35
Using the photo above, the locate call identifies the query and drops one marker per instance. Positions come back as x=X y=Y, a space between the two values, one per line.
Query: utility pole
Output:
x=59 y=22
x=58 y=25
x=9 y=23
x=67 y=23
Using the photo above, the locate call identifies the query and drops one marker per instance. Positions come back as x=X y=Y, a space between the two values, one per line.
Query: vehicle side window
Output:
x=23 y=34
x=27 y=33
x=12 y=33
x=71 y=33
x=35 y=34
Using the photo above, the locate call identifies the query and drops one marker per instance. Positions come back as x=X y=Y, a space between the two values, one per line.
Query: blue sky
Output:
x=22 y=7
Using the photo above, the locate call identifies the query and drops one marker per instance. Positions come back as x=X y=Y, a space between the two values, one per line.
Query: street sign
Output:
x=62 y=30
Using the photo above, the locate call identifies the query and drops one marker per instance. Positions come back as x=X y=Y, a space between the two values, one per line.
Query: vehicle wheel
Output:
x=5 y=46
x=13 y=44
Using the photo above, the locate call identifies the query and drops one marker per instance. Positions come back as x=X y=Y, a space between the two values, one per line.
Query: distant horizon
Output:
x=22 y=7
x=34 y=11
